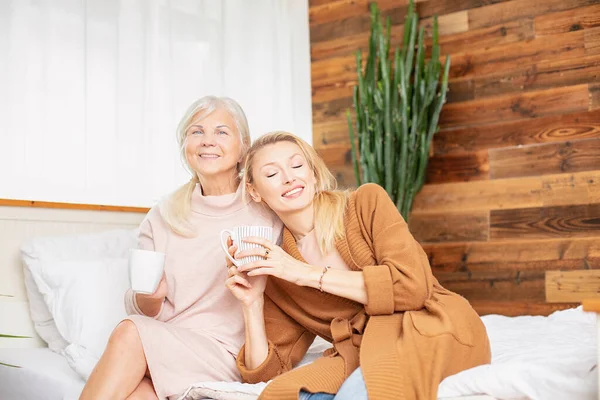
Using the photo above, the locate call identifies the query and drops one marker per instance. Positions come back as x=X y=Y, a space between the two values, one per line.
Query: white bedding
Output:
x=43 y=375
x=540 y=358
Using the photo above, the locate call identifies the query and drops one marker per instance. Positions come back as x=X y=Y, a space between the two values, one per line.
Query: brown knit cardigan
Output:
x=410 y=335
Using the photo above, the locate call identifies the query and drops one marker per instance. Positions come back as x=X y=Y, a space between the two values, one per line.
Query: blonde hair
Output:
x=329 y=203
x=176 y=208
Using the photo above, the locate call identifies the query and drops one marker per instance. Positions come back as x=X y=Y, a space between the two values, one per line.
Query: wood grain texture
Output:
x=485 y=38
x=330 y=126
x=451 y=227
x=461 y=167
x=508 y=11
x=516 y=107
x=579 y=253
x=591 y=39
x=572 y=286
x=343 y=27
x=595 y=97
x=502 y=134
x=580 y=188
x=330 y=11
x=70 y=206
x=526 y=286
x=513 y=56
x=543 y=75
x=567 y=21
x=540 y=159
x=546 y=222
x=513 y=182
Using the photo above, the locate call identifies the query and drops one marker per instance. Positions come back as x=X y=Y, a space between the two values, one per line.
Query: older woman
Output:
x=191 y=328
x=350 y=272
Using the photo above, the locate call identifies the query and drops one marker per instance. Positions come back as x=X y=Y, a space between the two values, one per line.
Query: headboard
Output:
x=23 y=220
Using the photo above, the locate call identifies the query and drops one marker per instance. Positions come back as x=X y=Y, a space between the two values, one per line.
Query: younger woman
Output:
x=350 y=272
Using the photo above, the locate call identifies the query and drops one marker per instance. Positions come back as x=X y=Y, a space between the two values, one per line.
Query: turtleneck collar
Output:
x=218 y=206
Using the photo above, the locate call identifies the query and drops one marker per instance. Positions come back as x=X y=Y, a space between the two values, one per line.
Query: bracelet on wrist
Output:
x=321 y=277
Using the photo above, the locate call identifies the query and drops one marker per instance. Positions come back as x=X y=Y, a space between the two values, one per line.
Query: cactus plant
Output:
x=397 y=102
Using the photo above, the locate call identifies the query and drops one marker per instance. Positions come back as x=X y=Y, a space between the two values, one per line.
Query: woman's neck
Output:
x=218 y=186
x=300 y=223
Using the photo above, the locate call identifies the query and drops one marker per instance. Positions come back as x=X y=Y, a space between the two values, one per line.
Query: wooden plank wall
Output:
x=514 y=179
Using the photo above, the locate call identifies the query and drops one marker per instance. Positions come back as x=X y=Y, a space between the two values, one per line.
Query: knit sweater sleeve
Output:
x=402 y=279
x=288 y=343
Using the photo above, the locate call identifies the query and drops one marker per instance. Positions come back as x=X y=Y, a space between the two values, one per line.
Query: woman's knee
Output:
x=125 y=334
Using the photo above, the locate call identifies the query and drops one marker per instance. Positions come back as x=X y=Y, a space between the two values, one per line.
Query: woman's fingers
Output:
x=256 y=264
x=255 y=251
x=259 y=240
x=234 y=280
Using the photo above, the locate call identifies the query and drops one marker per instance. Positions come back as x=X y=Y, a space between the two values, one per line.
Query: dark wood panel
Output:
x=544 y=75
x=458 y=167
x=546 y=222
x=516 y=308
x=509 y=11
x=506 y=194
x=450 y=227
x=502 y=286
x=540 y=130
x=333 y=110
x=540 y=159
x=564 y=265
x=484 y=38
x=353 y=25
x=595 y=98
x=341 y=9
x=516 y=106
x=568 y=21
x=514 y=56
x=348 y=45
x=519 y=254
x=441 y=7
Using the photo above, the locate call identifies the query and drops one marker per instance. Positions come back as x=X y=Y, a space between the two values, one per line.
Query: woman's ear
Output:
x=253 y=193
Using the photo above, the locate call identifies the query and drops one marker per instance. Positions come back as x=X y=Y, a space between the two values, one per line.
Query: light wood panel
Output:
x=572 y=286
x=505 y=194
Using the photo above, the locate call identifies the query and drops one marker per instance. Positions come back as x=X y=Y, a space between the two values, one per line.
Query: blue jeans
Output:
x=353 y=388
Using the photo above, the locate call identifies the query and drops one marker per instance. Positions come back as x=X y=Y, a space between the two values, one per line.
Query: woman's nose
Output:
x=208 y=140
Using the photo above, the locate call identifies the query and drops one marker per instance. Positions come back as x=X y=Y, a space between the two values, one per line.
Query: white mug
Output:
x=145 y=270
x=243 y=231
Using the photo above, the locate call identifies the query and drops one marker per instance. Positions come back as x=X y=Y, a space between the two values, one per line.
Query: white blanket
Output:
x=538 y=358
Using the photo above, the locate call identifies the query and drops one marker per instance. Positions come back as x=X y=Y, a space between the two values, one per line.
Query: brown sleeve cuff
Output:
x=380 y=292
x=266 y=371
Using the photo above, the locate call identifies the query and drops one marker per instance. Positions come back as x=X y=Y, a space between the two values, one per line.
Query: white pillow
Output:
x=40 y=253
x=86 y=300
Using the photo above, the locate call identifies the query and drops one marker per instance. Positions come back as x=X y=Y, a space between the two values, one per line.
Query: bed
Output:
x=533 y=357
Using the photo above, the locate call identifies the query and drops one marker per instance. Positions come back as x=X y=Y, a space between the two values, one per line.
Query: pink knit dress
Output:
x=200 y=328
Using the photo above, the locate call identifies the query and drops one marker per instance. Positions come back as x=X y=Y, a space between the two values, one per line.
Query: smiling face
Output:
x=212 y=145
x=282 y=178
